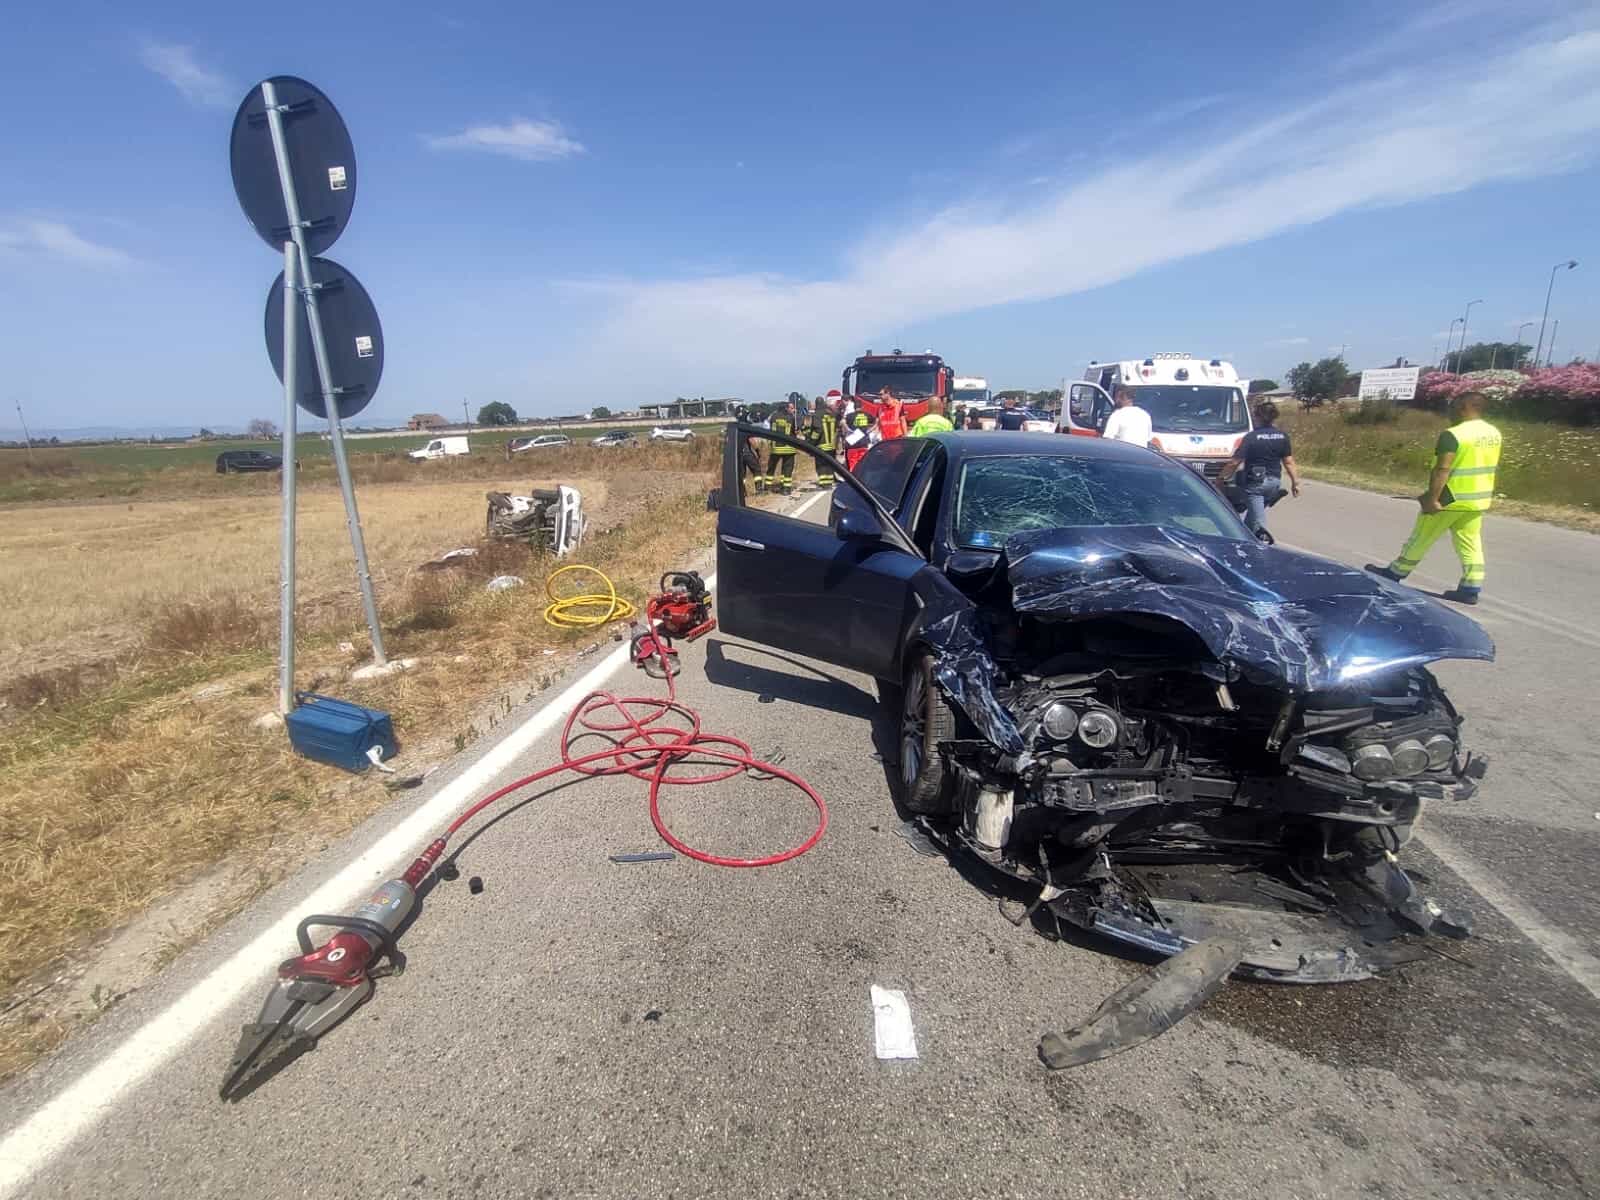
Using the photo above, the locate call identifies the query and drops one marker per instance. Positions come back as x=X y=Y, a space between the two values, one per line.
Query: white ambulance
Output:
x=1198 y=407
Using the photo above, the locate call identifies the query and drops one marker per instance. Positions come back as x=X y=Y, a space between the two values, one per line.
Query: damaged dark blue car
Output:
x=1107 y=688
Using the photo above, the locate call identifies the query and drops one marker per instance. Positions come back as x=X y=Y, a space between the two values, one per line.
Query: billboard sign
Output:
x=1399 y=382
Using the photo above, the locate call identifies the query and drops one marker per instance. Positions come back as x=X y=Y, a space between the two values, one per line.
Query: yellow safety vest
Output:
x=783 y=425
x=1471 y=483
x=830 y=431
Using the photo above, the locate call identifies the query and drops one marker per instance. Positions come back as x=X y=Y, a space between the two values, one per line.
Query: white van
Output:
x=441 y=447
x=1198 y=407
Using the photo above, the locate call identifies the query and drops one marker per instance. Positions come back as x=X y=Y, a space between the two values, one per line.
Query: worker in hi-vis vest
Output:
x=1460 y=491
x=824 y=434
x=780 y=459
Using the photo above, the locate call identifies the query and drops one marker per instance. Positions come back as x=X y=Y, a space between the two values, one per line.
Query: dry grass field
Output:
x=140 y=645
x=83 y=582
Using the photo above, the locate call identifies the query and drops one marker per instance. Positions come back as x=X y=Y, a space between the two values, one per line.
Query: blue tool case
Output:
x=338 y=732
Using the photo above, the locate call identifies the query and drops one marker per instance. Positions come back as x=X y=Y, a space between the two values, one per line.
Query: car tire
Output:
x=923 y=783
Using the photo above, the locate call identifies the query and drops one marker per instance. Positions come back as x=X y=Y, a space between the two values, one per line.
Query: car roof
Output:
x=960 y=444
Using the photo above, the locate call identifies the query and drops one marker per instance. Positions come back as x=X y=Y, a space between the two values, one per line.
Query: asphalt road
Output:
x=671 y=1029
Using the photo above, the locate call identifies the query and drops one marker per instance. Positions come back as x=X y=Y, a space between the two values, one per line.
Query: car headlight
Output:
x=1441 y=749
x=1373 y=763
x=1059 y=721
x=1097 y=729
x=1410 y=757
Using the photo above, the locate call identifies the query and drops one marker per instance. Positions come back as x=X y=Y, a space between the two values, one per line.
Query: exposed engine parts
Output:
x=1171 y=757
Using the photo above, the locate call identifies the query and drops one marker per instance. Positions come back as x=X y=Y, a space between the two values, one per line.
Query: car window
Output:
x=1001 y=496
x=887 y=468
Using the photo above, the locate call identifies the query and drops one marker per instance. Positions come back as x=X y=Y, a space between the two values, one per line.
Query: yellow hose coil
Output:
x=584 y=609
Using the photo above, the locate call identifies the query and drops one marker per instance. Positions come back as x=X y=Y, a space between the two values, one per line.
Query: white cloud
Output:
x=1288 y=341
x=177 y=65
x=1412 y=134
x=58 y=240
x=532 y=141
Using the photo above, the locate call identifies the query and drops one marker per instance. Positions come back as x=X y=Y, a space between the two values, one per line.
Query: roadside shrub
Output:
x=1567 y=394
x=429 y=602
x=1375 y=410
x=205 y=626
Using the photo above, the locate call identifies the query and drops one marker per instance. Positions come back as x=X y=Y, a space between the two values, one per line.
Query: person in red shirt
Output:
x=891 y=422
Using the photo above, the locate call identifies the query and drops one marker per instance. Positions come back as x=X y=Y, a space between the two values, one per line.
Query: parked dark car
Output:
x=1103 y=685
x=232 y=461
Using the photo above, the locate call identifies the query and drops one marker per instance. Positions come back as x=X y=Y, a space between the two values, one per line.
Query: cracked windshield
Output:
x=998 y=497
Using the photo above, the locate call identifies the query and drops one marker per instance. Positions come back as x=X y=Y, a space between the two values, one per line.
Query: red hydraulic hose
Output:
x=644 y=746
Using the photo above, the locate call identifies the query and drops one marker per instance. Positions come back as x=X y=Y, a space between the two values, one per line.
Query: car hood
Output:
x=1275 y=615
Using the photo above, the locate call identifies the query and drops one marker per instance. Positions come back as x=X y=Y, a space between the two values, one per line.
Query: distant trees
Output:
x=1263 y=385
x=261 y=429
x=599 y=413
x=1484 y=356
x=497 y=412
x=1316 y=383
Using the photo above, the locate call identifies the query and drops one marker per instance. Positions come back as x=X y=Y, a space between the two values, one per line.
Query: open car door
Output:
x=839 y=594
x=1085 y=411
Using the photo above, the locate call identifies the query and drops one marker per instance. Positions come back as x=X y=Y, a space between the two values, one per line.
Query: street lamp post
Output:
x=1550 y=350
x=1568 y=265
x=1449 y=338
x=1463 y=348
x=1518 y=342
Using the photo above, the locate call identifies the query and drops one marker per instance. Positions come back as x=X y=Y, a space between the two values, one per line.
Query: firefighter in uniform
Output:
x=823 y=432
x=780 y=459
x=1460 y=491
x=749 y=460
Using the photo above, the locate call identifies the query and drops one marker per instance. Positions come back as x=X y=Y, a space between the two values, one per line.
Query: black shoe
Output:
x=1461 y=595
x=1386 y=573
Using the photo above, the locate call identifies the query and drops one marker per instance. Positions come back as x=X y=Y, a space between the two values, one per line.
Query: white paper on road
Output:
x=891 y=1021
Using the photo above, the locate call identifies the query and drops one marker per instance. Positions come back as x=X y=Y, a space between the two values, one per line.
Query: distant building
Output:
x=678 y=409
x=427 y=421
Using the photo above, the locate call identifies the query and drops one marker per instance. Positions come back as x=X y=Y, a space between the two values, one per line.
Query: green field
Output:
x=1553 y=467
x=125 y=470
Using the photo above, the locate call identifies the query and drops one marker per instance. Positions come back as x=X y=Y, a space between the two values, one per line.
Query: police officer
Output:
x=1011 y=417
x=1460 y=491
x=1263 y=455
x=780 y=459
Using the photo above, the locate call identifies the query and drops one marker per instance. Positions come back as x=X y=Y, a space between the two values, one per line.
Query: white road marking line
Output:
x=50 y=1129
x=801 y=510
x=1558 y=946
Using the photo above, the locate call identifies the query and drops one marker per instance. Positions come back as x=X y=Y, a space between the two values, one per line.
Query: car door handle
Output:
x=743 y=543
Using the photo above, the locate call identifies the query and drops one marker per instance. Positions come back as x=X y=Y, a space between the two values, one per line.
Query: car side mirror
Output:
x=1266 y=538
x=971 y=566
x=858 y=523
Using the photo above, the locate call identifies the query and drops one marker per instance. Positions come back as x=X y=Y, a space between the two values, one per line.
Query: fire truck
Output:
x=909 y=377
x=1197 y=406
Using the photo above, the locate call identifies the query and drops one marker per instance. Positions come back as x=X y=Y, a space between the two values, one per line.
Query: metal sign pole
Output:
x=269 y=96
x=291 y=335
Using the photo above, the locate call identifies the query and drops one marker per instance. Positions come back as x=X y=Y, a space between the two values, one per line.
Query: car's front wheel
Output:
x=924 y=784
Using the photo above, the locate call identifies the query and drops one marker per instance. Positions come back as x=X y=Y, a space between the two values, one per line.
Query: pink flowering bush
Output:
x=1567 y=394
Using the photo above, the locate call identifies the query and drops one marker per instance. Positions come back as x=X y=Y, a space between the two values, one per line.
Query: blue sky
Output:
x=567 y=205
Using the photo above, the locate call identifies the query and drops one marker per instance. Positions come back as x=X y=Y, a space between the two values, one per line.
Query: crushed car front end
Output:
x=1179 y=737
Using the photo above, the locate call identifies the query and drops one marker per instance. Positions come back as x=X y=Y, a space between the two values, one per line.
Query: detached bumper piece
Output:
x=1145 y=1008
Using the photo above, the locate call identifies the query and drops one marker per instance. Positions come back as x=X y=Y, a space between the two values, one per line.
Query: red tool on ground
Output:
x=645 y=736
x=681 y=609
